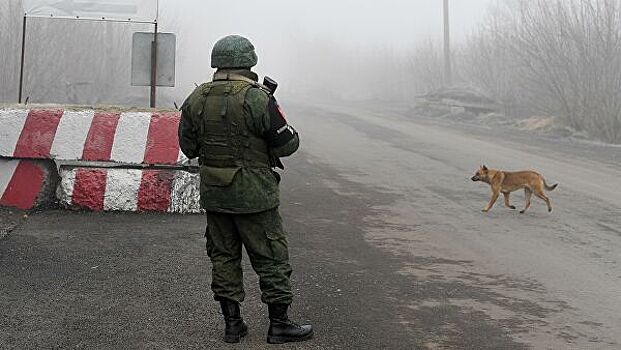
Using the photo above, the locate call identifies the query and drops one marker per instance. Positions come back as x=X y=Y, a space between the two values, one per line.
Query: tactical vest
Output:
x=227 y=141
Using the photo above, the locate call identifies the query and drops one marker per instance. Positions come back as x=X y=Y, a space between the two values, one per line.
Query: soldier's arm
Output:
x=281 y=137
x=188 y=130
x=269 y=123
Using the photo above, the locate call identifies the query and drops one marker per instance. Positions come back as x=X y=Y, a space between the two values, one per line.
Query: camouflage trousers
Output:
x=265 y=241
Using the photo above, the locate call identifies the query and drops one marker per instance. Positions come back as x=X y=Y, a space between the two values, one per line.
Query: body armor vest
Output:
x=227 y=141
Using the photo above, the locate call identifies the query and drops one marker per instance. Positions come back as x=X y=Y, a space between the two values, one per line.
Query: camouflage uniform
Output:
x=235 y=127
x=230 y=124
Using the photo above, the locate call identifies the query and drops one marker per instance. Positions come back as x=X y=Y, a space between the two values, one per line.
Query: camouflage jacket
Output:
x=239 y=189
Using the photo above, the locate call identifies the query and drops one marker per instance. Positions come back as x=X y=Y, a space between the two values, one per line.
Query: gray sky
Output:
x=280 y=28
x=397 y=23
x=299 y=43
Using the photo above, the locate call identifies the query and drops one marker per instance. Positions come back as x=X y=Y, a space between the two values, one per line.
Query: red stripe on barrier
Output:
x=154 y=192
x=98 y=145
x=163 y=140
x=89 y=189
x=37 y=136
x=24 y=187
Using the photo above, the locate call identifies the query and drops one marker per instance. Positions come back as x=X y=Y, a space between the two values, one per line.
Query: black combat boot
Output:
x=282 y=330
x=235 y=327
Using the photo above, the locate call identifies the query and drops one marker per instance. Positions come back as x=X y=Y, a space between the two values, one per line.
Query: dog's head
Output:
x=481 y=175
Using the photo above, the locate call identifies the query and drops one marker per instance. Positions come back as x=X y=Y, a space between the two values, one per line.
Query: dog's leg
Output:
x=539 y=193
x=507 y=203
x=528 y=193
x=489 y=206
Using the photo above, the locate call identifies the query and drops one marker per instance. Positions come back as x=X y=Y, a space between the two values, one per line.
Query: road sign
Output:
x=142 y=59
x=113 y=10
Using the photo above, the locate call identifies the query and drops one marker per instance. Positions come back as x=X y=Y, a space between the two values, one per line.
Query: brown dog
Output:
x=506 y=182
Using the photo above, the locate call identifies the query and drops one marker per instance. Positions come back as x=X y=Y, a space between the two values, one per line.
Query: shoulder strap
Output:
x=220 y=76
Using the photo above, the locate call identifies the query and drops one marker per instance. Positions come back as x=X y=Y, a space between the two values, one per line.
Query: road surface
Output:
x=389 y=246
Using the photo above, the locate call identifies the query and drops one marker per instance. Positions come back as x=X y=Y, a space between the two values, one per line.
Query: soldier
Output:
x=238 y=131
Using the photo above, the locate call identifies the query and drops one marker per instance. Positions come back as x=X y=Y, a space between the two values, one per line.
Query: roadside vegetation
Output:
x=554 y=60
x=558 y=58
x=548 y=58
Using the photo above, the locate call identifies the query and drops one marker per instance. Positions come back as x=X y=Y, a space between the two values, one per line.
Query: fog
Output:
x=302 y=45
x=311 y=46
x=282 y=29
x=557 y=59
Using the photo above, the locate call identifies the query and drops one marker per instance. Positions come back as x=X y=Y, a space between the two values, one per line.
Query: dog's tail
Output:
x=548 y=187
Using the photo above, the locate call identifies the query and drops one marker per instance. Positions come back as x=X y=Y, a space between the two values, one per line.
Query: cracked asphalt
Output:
x=389 y=248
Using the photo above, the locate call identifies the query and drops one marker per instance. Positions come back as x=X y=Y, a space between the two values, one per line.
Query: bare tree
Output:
x=555 y=57
x=426 y=67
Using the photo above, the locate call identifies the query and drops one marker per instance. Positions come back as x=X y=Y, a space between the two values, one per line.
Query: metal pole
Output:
x=448 y=80
x=21 y=67
x=153 y=67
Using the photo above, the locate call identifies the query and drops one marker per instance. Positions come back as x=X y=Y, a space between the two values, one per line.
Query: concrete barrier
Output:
x=148 y=138
x=97 y=189
x=27 y=184
x=104 y=160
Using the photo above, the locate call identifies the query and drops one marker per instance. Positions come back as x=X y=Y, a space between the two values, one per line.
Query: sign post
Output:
x=129 y=11
x=149 y=69
x=21 y=65
x=153 y=68
x=137 y=11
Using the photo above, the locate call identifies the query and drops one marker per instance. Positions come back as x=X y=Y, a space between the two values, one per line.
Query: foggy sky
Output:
x=305 y=45
x=397 y=23
x=277 y=27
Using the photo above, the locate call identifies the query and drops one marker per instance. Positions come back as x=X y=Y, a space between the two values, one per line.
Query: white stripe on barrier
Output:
x=64 y=191
x=181 y=158
x=12 y=122
x=7 y=168
x=122 y=187
x=123 y=193
x=131 y=137
x=185 y=193
x=71 y=134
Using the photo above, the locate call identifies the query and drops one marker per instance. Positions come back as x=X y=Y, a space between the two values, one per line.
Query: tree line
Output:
x=558 y=58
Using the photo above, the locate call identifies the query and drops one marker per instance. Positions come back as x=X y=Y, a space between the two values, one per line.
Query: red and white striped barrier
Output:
x=107 y=189
x=24 y=183
x=123 y=137
x=85 y=139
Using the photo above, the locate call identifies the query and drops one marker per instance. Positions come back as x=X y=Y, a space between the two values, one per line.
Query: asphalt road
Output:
x=388 y=244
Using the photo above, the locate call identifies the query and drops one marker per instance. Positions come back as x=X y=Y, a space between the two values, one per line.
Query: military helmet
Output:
x=233 y=51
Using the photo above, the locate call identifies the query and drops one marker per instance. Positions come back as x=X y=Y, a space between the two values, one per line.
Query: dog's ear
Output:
x=484 y=167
